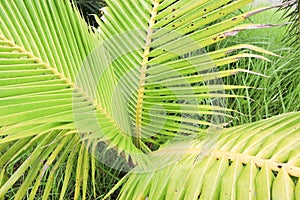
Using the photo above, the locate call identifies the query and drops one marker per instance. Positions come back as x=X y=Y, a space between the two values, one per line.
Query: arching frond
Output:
x=142 y=78
x=43 y=109
x=255 y=161
x=158 y=52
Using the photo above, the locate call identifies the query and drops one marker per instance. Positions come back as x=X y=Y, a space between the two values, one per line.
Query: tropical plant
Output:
x=255 y=161
x=71 y=93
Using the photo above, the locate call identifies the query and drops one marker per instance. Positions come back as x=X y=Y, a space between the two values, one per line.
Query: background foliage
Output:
x=89 y=8
x=279 y=93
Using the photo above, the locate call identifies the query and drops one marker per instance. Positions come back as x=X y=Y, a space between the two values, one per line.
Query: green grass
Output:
x=105 y=177
x=280 y=93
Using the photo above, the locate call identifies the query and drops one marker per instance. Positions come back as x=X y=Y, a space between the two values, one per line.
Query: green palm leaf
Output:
x=40 y=56
x=255 y=161
x=159 y=49
x=137 y=80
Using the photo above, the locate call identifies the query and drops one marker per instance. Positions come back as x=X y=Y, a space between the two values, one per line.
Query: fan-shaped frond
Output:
x=158 y=52
x=255 y=161
x=45 y=109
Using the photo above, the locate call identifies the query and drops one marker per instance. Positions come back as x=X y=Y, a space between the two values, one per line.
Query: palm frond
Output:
x=68 y=90
x=158 y=53
x=44 y=111
x=255 y=161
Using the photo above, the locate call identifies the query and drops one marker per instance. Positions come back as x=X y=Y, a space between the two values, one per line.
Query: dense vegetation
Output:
x=154 y=99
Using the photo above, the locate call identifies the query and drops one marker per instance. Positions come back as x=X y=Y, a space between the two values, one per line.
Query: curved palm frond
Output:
x=61 y=83
x=256 y=161
x=169 y=82
x=43 y=46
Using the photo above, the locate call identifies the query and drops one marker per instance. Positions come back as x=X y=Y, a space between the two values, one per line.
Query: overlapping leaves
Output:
x=255 y=161
x=172 y=86
x=60 y=95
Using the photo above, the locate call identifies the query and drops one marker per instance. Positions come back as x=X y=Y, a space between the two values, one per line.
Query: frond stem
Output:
x=144 y=66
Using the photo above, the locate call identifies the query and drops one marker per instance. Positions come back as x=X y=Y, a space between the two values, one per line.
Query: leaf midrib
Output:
x=259 y=162
x=144 y=65
x=61 y=76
